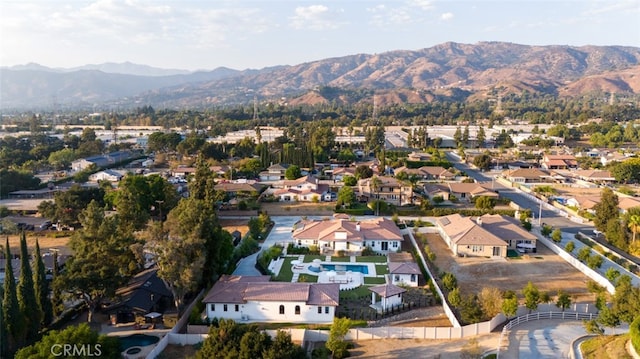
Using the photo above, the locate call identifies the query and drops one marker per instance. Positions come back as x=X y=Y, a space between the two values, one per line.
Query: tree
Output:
x=483 y=161
x=349 y=180
x=62 y=159
x=634 y=225
x=531 y=296
x=608 y=318
x=41 y=287
x=282 y=347
x=556 y=235
x=546 y=230
x=481 y=137
x=470 y=309
x=612 y=275
x=591 y=326
x=457 y=137
x=363 y=171
x=346 y=196
x=606 y=209
x=454 y=297
x=563 y=301
x=490 y=299
x=336 y=343
x=26 y=294
x=293 y=172
x=103 y=258
x=510 y=305
x=485 y=202
x=11 y=315
x=449 y=281
x=583 y=254
x=82 y=335
x=4 y=343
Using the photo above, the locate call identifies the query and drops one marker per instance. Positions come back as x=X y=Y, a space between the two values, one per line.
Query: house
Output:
x=390 y=297
x=101 y=161
x=427 y=173
x=256 y=299
x=437 y=190
x=183 y=172
x=527 y=175
x=470 y=190
x=145 y=293
x=380 y=234
x=419 y=156
x=594 y=176
x=608 y=158
x=339 y=173
x=304 y=189
x=106 y=175
x=586 y=203
x=404 y=273
x=274 y=172
x=559 y=162
x=387 y=189
x=625 y=203
x=241 y=190
x=488 y=235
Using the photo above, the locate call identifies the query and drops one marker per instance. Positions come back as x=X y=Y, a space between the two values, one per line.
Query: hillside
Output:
x=446 y=71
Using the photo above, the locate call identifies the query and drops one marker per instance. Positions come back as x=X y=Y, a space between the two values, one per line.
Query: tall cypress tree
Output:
x=12 y=317
x=4 y=344
x=41 y=288
x=26 y=294
x=56 y=297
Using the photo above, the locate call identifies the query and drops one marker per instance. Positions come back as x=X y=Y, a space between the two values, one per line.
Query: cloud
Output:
x=383 y=16
x=446 y=16
x=422 y=4
x=315 y=17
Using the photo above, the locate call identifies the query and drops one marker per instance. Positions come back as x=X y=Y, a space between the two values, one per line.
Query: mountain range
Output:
x=450 y=71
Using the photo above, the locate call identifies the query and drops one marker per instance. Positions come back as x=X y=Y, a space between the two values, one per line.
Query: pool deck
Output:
x=346 y=278
x=123 y=331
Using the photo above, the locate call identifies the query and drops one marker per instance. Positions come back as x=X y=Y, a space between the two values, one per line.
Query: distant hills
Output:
x=449 y=71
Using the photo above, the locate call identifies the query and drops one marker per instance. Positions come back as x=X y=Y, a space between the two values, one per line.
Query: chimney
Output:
x=479 y=221
x=358 y=226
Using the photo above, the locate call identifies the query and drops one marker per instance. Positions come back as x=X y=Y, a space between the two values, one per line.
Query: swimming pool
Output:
x=347 y=267
x=137 y=340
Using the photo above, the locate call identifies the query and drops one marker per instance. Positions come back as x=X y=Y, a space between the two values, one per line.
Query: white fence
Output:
x=445 y=305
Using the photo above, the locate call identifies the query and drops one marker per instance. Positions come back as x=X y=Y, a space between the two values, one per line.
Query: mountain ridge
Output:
x=450 y=70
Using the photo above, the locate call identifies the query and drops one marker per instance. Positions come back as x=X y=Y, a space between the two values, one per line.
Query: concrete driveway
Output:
x=280 y=234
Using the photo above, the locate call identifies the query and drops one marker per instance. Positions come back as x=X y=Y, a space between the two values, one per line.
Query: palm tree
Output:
x=634 y=225
x=375 y=186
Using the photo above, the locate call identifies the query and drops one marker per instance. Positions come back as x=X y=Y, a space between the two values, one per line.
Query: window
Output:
x=319 y=310
x=237 y=308
x=397 y=278
x=297 y=310
x=224 y=308
x=476 y=248
x=212 y=307
x=326 y=310
x=413 y=277
x=395 y=244
x=281 y=309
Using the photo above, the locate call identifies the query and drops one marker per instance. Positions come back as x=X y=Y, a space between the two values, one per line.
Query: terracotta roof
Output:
x=387 y=290
x=472 y=188
x=240 y=289
x=404 y=268
x=628 y=202
x=373 y=229
x=485 y=230
x=301 y=180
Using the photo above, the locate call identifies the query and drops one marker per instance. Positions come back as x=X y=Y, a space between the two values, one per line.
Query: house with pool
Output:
x=257 y=299
x=348 y=236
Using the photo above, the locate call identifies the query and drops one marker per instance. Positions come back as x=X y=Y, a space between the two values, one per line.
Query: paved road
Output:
x=280 y=233
x=548 y=216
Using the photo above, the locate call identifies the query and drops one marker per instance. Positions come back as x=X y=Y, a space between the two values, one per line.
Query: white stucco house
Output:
x=106 y=175
x=390 y=297
x=340 y=234
x=256 y=299
x=404 y=273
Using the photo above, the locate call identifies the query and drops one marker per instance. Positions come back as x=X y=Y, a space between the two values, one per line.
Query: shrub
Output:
x=570 y=246
x=368 y=251
x=634 y=333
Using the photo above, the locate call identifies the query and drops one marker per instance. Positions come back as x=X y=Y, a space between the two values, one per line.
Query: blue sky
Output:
x=242 y=34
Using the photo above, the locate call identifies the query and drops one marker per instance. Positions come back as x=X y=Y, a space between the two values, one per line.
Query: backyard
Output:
x=545 y=269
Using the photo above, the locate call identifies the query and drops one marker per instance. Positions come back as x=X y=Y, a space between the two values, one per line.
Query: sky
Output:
x=242 y=34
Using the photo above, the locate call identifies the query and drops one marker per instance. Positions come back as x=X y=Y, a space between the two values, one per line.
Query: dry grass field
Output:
x=545 y=269
x=45 y=241
x=298 y=209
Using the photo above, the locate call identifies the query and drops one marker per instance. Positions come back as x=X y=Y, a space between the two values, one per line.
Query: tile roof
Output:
x=404 y=268
x=373 y=229
x=241 y=289
x=387 y=290
x=485 y=230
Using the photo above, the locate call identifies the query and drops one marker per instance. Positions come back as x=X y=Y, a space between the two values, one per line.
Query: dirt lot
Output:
x=44 y=241
x=235 y=225
x=298 y=209
x=418 y=348
x=545 y=269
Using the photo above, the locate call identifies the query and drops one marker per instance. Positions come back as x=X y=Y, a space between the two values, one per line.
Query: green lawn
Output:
x=382 y=269
x=361 y=291
x=285 y=274
x=374 y=280
x=371 y=259
x=308 y=258
x=307 y=278
x=341 y=259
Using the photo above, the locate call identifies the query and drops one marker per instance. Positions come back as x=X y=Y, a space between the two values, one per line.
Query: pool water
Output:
x=137 y=340
x=347 y=267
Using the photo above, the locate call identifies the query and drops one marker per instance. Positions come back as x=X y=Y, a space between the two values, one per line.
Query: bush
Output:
x=368 y=251
x=570 y=247
x=634 y=333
